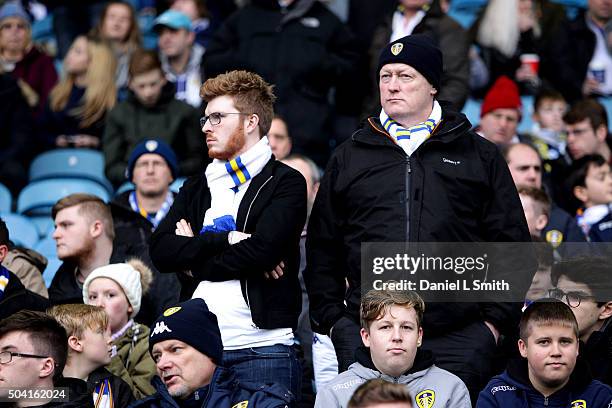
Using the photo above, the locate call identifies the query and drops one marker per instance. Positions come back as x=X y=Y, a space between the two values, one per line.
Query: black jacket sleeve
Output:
x=170 y=252
x=504 y=221
x=325 y=281
x=276 y=231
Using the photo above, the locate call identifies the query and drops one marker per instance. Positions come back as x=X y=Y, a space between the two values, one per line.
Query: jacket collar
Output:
x=452 y=125
x=580 y=378
x=422 y=360
x=255 y=186
x=222 y=377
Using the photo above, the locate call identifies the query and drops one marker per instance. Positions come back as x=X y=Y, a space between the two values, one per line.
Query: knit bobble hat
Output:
x=504 y=94
x=417 y=50
x=190 y=322
x=134 y=278
x=153 y=146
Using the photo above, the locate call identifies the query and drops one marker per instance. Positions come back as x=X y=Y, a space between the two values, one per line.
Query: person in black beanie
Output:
x=414 y=173
x=186 y=345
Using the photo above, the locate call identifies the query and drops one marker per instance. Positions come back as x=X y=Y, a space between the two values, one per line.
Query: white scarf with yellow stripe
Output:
x=410 y=139
x=226 y=180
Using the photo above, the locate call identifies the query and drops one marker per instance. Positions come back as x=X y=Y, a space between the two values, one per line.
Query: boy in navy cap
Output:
x=186 y=346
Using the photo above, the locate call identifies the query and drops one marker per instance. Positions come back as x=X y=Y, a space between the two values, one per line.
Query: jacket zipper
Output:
x=545 y=401
x=407 y=197
x=246 y=281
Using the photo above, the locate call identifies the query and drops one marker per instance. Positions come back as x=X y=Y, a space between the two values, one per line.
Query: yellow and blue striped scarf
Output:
x=225 y=179
x=410 y=139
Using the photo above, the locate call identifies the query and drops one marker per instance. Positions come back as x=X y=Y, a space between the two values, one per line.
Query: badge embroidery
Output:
x=171 y=311
x=397 y=48
x=425 y=399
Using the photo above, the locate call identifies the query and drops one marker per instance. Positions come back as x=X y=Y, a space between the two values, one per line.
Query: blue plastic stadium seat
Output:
x=53 y=265
x=21 y=230
x=70 y=163
x=607 y=103
x=44 y=224
x=526 y=120
x=127 y=186
x=471 y=109
x=38 y=197
x=177 y=184
x=46 y=247
x=6 y=200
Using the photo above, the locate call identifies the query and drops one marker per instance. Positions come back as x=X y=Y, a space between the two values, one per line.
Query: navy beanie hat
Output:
x=417 y=50
x=190 y=322
x=154 y=146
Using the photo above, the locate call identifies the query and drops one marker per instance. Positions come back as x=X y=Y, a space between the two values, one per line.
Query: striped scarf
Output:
x=410 y=139
x=225 y=179
x=103 y=395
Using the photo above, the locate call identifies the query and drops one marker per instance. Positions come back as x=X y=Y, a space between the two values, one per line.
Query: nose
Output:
x=555 y=349
x=164 y=363
x=396 y=336
x=207 y=126
x=56 y=234
x=98 y=302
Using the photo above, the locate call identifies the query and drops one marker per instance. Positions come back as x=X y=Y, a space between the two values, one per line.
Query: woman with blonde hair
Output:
x=30 y=66
x=119 y=27
x=511 y=35
x=78 y=103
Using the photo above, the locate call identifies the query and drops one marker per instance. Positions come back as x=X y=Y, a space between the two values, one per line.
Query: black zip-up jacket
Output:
x=459 y=189
x=273 y=210
x=304 y=50
x=17 y=297
x=566 y=61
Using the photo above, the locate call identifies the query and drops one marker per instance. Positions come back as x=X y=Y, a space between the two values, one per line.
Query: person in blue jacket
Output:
x=550 y=373
x=186 y=345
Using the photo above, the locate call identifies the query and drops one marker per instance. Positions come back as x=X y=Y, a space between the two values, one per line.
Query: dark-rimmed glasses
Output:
x=7 y=356
x=215 y=117
x=571 y=298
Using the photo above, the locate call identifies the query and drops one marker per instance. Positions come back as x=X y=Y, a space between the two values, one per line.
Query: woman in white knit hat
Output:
x=118 y=289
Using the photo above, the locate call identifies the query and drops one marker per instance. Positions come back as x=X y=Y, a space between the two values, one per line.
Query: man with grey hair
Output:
x=413 y=173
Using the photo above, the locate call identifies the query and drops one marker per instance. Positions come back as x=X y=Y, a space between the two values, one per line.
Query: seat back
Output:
x=21 y=230
x=70 y=163
x=6 y=200
x=39 y=197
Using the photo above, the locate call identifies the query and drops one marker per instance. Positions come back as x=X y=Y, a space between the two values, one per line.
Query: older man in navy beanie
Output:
x=152 y=167
x=414 y=172
x=185 y=344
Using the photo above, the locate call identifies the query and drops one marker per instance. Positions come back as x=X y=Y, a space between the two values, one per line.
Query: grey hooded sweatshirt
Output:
x=433 y=387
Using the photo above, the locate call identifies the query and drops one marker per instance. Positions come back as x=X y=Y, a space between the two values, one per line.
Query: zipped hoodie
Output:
x=513 y=389
x=424 y=380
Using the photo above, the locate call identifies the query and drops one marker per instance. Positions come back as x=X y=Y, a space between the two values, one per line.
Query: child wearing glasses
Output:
x=549 y=373
x=585 y=284
x=89 y=350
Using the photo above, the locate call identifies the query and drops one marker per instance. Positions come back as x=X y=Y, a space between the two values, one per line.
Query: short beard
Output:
x=82 y=253
x=154 y=194
x=181 y=392
x=235 y=143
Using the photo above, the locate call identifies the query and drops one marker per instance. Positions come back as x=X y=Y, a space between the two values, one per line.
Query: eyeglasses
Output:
x=215 y=117
x=571 y=298
x=7 y=356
